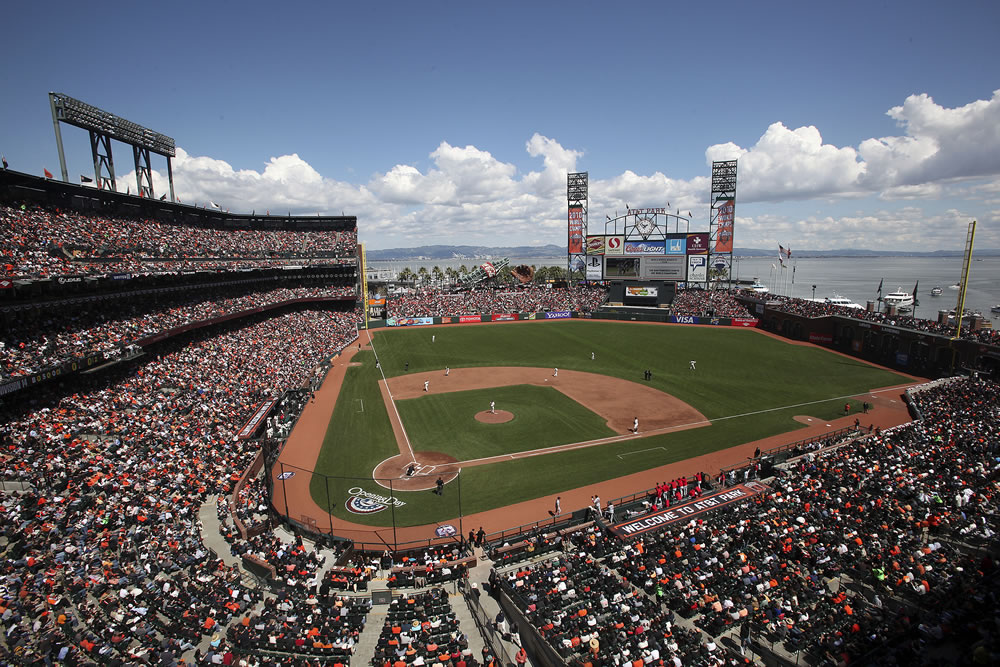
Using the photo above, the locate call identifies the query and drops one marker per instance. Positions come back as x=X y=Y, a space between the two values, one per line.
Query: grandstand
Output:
x=155 y=356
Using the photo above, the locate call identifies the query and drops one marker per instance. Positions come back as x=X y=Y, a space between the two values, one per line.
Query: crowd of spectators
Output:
x=807 y=308
x=421 y=629
x=43 y=338
x=708 y=303
x=589 y=615
x=103 y=557
x=37 y=242
x=432 y=302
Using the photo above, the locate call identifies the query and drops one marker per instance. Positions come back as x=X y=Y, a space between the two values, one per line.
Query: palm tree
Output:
x=423 y=274
x=406 y=275
x=463 y=270
x=451 y=273
x=437 y=273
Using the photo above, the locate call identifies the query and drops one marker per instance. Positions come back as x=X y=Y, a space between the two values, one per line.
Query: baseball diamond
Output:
x=568 y=434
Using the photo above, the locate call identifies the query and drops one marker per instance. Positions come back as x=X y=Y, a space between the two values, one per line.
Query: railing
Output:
x=494 y=642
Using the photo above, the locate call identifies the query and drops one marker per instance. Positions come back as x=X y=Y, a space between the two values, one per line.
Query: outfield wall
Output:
x=634 y=315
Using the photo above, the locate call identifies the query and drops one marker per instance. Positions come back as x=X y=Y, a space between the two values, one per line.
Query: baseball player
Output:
x=427 y=383
x=447 y=370
x=591 y=356
x=693 y=362
x=555 y=372
x=433 y=338
x=635 y=425
x=493 y=408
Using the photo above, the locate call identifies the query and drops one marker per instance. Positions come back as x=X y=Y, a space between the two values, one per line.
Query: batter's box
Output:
x=641 y=451
x=420 y=470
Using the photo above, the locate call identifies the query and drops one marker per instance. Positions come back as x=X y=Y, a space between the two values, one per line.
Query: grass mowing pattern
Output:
x=543 y=416
x=738 y=372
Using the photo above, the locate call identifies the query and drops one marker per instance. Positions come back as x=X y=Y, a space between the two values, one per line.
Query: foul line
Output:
x=392 y=400
x=641 y=451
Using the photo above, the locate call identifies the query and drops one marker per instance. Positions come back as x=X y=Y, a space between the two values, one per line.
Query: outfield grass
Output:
x=749 y=385
x=543 y=416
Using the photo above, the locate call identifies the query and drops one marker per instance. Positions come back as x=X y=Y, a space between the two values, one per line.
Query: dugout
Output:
x=649 y=293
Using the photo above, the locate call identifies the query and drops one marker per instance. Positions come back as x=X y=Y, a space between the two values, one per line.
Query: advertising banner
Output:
x=724 y=226
x=408 y=321
x=621 y=267
x=688 y=511
x=505 y=317
x=683 y=319
x=664 y=268
x=6 y=284
x=469 y=319
x=744 y=322
x=644 y=247
x=676 y=245
x=697 y=244
x=641 y=292
x=489 y=269
x=595 y=245
x=614 y=245
x=697 y=268
x=595 y=268
x=820 y=338
x=558 y=315
x=575 y=230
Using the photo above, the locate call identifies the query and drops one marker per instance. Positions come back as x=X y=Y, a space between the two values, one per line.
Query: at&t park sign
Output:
x=647 y=211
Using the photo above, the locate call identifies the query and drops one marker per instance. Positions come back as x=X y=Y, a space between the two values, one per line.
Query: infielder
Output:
x=427 y=383
x=635 y=425
x=555 y=372
x=447 y=369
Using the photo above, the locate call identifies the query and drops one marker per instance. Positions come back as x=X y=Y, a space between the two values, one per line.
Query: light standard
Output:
x=814 y=292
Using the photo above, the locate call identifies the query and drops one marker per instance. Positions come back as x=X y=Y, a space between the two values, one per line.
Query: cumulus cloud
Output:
x=467 y=195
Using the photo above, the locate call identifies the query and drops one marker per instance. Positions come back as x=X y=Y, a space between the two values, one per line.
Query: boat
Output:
x=759 y=287
x=936 y=291
x=901 y=300
x=995 y=309
x=955 y=286
x=842 y=301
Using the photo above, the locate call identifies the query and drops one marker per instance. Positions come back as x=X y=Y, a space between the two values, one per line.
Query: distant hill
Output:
x=442 y=252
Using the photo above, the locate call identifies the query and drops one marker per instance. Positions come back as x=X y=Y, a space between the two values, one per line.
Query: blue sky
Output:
x=857 y=124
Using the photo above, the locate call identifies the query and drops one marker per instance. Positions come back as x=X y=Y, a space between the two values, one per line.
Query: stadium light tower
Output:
x=103 y=127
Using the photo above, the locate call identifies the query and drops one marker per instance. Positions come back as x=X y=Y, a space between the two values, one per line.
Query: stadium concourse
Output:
x=131 y=534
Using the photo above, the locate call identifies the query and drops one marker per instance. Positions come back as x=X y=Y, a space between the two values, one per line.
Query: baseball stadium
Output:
x=226 y=442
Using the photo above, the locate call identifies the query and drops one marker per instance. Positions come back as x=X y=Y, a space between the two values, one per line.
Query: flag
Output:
x=781 y=250
x=163 y=197
x=788 y=253
x=4 y=157
x=880 y=287
x=86 y=179
x=773 y=267
x=781 y=260
x=214 y=205
x=48 y=174
x=916 y=301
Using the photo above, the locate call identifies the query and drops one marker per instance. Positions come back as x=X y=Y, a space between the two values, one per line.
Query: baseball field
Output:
x=390 y=434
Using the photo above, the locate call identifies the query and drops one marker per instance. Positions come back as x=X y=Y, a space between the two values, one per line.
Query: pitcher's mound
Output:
x=498 y=417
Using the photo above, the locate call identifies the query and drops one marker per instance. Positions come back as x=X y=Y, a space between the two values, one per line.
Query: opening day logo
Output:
x=364 y=502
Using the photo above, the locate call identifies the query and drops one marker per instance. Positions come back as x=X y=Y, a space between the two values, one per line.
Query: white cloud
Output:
x=469 y=196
